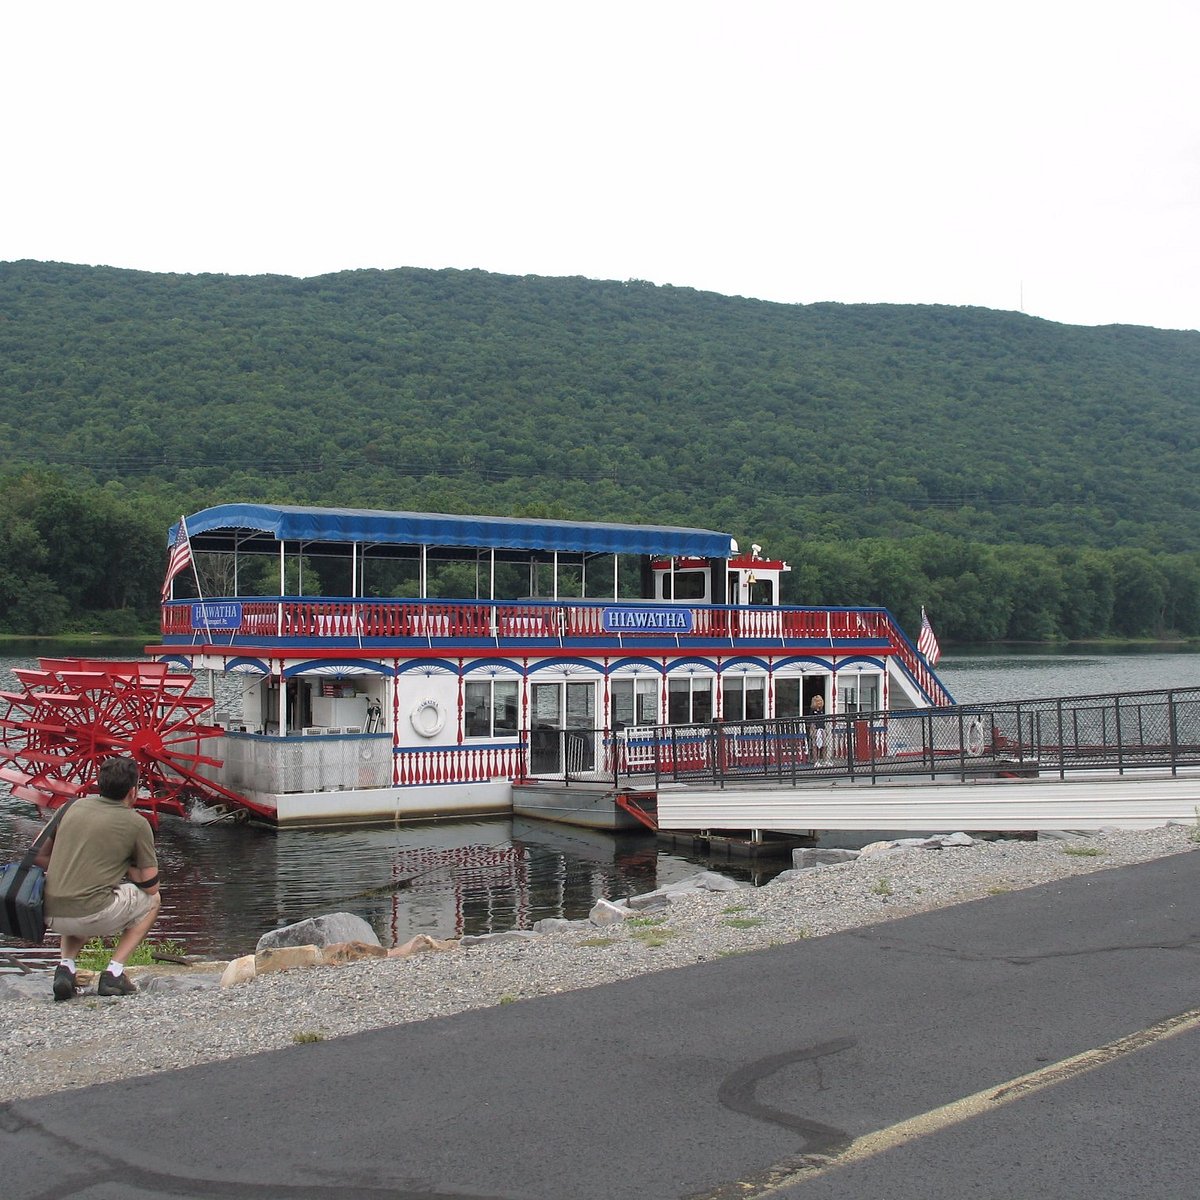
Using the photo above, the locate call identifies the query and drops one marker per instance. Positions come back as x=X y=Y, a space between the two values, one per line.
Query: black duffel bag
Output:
x=23 y=888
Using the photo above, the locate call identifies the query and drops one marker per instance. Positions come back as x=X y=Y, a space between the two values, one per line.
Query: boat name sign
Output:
x=213 y=615
x=639 y=619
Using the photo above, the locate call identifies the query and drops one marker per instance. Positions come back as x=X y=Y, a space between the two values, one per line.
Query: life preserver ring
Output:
x=366 y=752
x=427 y=718
x=975 y=737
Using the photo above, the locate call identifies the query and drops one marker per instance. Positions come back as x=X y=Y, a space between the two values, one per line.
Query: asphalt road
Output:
x=785 y=1073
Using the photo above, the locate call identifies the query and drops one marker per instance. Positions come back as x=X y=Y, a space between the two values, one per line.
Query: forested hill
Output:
x=467 y=391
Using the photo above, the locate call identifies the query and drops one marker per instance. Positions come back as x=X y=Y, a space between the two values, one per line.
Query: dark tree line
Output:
x=83 y=557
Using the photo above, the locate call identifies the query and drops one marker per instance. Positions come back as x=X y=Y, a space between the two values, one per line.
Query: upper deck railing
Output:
x=427 y=622
x=291 y=617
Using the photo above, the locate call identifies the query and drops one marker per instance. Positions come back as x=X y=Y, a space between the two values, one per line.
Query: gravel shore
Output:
x=47 y=1047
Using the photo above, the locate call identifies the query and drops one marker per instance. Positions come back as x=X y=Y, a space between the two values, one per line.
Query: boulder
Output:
x=241 y=970
x=421 y=944
x=605 y=912
x=348 y=952
x=804 y=857
x=648 y=900
x=509 y=935
x=179 y=982
x=705 y=881
x=880 y=848
x=286 y=958
x=553 y=924
x=943 y=841
x=326 y=930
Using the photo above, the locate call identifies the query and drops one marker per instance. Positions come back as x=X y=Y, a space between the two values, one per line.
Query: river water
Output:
x=225 y=885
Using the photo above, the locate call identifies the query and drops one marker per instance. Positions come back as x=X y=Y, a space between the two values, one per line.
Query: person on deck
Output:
x=102 y=878
x=815 y=728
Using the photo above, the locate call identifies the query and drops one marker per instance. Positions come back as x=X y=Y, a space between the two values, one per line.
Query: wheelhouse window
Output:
x=689 y=700
x=634 y=702
x=490 y=708
x=744 y=697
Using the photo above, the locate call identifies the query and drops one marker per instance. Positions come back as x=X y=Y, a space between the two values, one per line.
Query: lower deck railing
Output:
x=1124 y=732
x=1120 y=732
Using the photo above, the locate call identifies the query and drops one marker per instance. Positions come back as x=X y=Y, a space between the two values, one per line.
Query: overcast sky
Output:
x=1041 y=156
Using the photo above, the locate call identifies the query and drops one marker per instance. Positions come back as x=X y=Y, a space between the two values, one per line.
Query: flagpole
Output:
x=196 y=577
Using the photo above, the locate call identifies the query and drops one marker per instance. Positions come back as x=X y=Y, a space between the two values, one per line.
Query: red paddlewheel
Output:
x=74 y=713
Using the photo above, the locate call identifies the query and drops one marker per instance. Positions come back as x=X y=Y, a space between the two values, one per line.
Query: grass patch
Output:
x=998 y=891
x=653 y=938
x=1083 y=851
x=743 y=922
x=599 y=941
x=508 y=998
x=734 y=908
x=882 y=886
x=305 y=1037
x=96 y=954
x=643 y=922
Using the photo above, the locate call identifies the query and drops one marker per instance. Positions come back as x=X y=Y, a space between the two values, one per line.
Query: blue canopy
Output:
x=332 y=526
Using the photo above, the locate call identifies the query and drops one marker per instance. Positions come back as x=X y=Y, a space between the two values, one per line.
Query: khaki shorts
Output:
x=129 y=905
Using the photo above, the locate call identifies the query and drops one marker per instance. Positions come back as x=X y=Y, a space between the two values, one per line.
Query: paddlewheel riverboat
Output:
x=378 y=666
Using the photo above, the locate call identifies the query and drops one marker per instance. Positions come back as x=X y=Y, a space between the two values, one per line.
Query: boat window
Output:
x=490 y=708
x=787 y=698
x=689 y=700
x=762 y=591
x=691 y=585
x=744 y=697
x=860 y=693
x=634 y=702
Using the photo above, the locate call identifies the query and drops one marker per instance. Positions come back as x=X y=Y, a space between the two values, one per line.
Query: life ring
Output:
x=975 y=737
x=366 y=752
x=427 y=718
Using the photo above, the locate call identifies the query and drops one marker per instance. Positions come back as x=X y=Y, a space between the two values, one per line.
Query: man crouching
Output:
x=102 y=878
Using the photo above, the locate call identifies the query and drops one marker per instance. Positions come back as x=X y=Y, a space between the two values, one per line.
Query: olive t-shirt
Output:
x=96 y=842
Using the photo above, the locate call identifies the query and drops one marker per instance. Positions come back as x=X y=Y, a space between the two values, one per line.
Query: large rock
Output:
x=183 y=981
x=704 y=881
x=605 y=912
x=241 y=970
x=326 y=930
x=804 y=857
x=508 y=935
x=421 y=944
x=286 y=958
x=348 y=952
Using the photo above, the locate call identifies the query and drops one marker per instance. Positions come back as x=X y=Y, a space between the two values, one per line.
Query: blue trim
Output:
x=243 y=661
x=347 y=525
x=361 y=663
x=635 y=660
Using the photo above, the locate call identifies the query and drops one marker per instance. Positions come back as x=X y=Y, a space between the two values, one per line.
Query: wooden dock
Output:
x=1129 y=801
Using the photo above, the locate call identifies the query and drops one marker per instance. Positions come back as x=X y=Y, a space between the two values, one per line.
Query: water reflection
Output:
x=223 y=886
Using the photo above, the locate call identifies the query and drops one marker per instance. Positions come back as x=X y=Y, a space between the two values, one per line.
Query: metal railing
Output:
x=1119 y=732
x=398 y=623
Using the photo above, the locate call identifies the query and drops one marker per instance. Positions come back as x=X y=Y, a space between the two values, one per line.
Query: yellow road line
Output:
x=797 y=1170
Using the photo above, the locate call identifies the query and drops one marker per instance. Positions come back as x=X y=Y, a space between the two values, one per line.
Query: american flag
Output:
x=179 y=558
x=927 y=643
